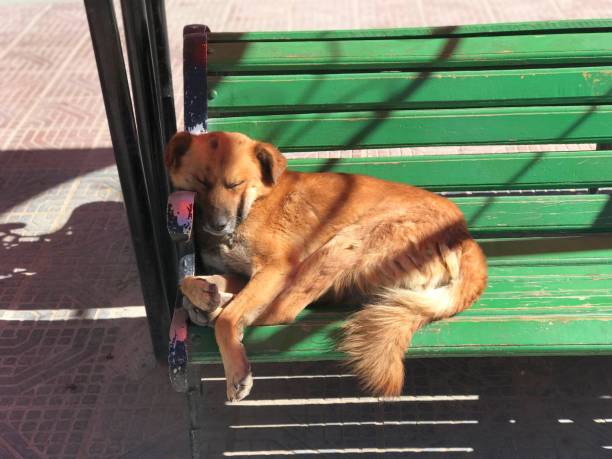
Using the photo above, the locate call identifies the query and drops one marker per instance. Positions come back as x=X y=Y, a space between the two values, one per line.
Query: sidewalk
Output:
x=77 y=376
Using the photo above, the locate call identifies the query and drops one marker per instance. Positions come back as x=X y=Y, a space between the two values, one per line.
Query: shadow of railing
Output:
x=563 y=135
x=479 y=408
x=393 y=100
x=447 y=50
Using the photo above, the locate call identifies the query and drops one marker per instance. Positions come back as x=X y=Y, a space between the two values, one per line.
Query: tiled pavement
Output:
x=77 y=383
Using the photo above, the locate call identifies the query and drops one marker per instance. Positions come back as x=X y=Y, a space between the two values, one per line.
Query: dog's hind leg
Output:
x=354 y=261
x=339 y=265
x=313 y=277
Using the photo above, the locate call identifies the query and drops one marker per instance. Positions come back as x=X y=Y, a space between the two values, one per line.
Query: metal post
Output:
x=146 y=89
x=120 y=115
x=161 y=52
x=195 y=60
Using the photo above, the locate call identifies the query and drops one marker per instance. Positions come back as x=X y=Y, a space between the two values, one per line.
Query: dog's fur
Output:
x=297 y=236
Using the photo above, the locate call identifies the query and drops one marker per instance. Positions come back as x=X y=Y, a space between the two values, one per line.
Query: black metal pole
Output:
x=195 y=77
x=159 y=30
x=146 y=88
x=115 y=90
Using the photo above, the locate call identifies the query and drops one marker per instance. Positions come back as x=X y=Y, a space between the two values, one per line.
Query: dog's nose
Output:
x=219 y=223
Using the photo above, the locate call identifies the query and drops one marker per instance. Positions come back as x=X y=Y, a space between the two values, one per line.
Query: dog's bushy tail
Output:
x=376 y=338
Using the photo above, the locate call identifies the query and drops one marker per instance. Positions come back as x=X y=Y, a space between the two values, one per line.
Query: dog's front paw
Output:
x=198 y=316
x=239 y=385
x=201 y=293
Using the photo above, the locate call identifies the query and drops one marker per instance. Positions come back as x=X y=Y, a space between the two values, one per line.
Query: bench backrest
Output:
x=497 y=84
x=389 y=88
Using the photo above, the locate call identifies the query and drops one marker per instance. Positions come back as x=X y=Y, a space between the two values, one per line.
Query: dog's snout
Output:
x=219 y=223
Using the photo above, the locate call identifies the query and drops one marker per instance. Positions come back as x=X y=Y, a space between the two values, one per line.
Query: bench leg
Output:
x=194 y=399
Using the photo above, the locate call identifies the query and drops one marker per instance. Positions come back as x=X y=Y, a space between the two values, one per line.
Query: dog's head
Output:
x=227 y=170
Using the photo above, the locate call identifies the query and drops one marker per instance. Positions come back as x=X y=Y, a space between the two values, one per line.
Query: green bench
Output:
x=543 y=218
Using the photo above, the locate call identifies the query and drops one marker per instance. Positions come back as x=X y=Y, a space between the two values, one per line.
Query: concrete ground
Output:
x=77 y=376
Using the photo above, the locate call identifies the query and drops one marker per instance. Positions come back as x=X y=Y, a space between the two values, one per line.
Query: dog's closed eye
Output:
x=233 y=185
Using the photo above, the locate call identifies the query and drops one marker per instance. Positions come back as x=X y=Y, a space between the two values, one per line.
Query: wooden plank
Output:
x=397 y=128
x=508 y=171
x=567 y=330
x=561 y=335
x=510 y=215
x=267 y=94
x=540 y=255
x=559 y=305
x=538 y=27
x=409 y=53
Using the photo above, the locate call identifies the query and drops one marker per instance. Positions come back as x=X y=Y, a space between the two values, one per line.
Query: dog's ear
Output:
x=272 y=162
x=176 y=148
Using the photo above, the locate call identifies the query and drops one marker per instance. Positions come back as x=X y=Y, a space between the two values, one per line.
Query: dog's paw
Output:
x=239 y=385
x=201 y=293
x=198 y=316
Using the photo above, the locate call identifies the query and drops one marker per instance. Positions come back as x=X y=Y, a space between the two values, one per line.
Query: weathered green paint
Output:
x=515 y=214
x=507 y=171
x=535 y=27
x=269 y=94
x=560 y=335
x=533 y=254
x=397 y=53
x=556 y=306
x=397 y=128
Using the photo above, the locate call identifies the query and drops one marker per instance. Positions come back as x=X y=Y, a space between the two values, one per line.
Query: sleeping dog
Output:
x=279 y=240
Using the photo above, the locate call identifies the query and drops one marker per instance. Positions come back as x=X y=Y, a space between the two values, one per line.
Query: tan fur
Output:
x=377 y=359
x=301 y=236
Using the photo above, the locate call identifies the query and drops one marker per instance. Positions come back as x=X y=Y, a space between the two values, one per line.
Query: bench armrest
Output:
x=180 y=215
x=180 y=225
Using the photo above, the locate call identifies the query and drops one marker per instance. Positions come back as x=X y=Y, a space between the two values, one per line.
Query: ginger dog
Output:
x=278 y=240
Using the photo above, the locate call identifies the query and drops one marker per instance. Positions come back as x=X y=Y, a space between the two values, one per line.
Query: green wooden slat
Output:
x=514 y=214
x=507 y=171
x=396 y=128
x=601 y=260
x=457 y=52
x=455 y=31
x=549 y=301
x=560 y=291
x=395 y=90
x=539 y=255
x=561 y=335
